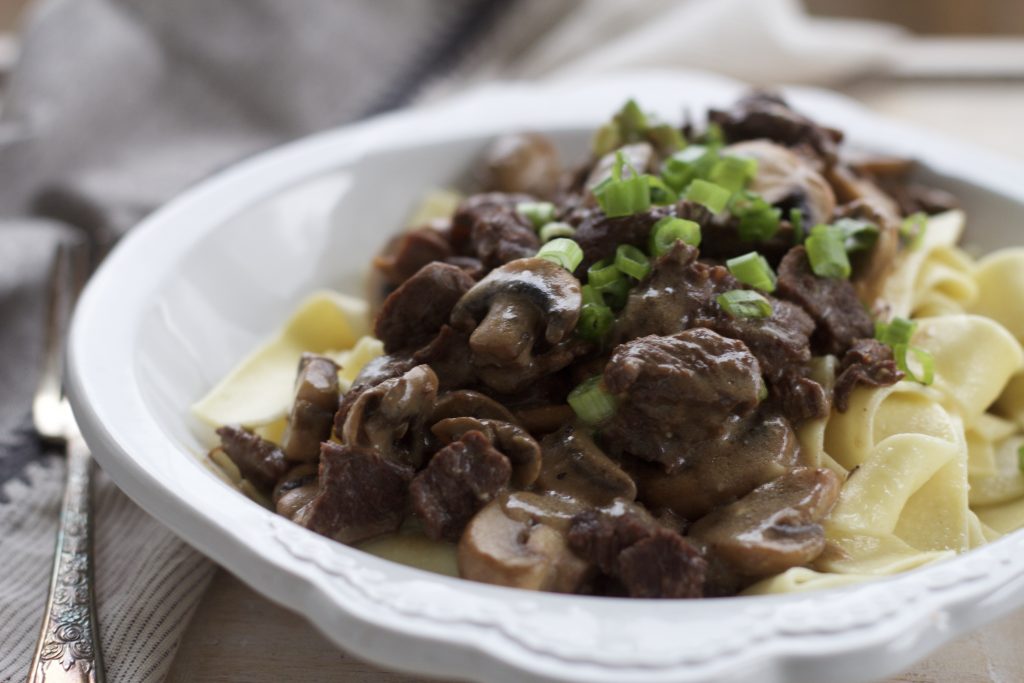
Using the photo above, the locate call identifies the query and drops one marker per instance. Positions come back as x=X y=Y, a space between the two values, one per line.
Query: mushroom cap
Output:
x=499 y=550
x=469 y=403
x=529 y=284
x=522 y=162
x=312 y=413
x=573 y=465
x=783 y=175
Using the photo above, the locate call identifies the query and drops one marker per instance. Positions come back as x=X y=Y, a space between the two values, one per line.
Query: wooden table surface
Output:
x=237 y=635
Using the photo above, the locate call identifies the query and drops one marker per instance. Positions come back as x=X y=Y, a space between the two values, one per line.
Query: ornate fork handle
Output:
x=68 y=648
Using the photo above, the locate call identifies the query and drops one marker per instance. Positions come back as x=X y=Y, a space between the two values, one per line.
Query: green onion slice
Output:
x=796 y=219
x=912 y=230
x=733 y=173
x=826 y=253
x=753 y=269
x=857 y=235
x=538 y=213
x=616 y=293
x=661 y=193
x=595 y=322
x=924 y=373
x=603 y=273
x=666 y=138
x=669 y=230
x=680 y=169
x=632 y=261
x=1020 y=458
x=632 y=121
x=714 y=197
x=591 y=295
x=606 y=139
x=591 y=401
x=896 y=331
x=620 y=196
x=556 y=229
x=714 y=136
x=758 y=220
x=744 y=303
x=562 y=251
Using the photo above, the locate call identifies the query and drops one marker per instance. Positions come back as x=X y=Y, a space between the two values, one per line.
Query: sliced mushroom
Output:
x=468 y=403
x=312 y=415
x=389 y=416
x=787 y=179
x=556 y=511
x=361 y=494
x=719 y=471
x=546 y=418
x=296 y=488
x=413 y=314
x=774 y=527
x=515 y=312
x=572 y=464
x=259 y=461
x=499 y=550
x=523 y=162
x=513 y=441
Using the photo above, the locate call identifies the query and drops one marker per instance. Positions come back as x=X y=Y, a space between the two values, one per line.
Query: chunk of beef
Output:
x=665 y=565
x=599 y=236
x=408 y=252
x=413 y=314
x=488 y=227
x=839 y=316
x=652 y=561
x=446 y=354
x=361 y=494
x=868 y=362
x=313 y=408
x=674 y=391
x=522 y=162
x=461 y=479
x=773 y=528
x=513 y=441
x=799 y=397
x=718 y=471
x=765 y=115
x=260 y=462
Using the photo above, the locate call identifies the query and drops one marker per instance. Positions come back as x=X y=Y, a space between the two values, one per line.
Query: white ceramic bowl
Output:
x=203 y=280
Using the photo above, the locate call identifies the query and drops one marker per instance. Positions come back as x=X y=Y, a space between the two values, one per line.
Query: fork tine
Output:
x=67 y=276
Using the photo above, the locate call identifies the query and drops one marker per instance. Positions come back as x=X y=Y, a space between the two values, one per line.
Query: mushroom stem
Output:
x=507 y=331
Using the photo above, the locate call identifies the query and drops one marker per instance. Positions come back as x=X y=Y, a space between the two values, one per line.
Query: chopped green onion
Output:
x=753 y=269
x=616 y=293
x=858 y=235
x=666 y=138
x=669 y=230
x=661 y=193
x=744 y=303
x=826 y=253
x=759 y=220
x=591 y=295
x=603 y=273
x=896 y=331
x=1020 y=458
x=562 y=251
x=714 y=136
x=538 y=213
x=913 y=228
x=680 y=169
x=556 y=229
x=733 y=173
x=796 y=219
x=714 y=197
x=620 y=196
x=632 y=121
x=591 y=401
x=595 y=322
x=762 y=393
x=924 y=360
x=606 y=140
x=632 y=261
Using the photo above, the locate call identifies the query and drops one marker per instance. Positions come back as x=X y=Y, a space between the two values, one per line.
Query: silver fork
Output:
x=69 y=644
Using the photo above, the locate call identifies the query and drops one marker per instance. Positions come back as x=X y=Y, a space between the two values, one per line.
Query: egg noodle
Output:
x=930 y=471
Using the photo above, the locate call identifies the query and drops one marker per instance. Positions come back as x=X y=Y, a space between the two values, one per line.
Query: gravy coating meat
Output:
x=593 y=377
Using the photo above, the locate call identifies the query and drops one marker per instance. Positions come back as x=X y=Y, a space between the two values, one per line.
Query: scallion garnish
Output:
x=616 y=293
x=595 y=321
x=925 y=373
x=733 y=173
x=632 y=261
x=562 y=251
x=620 y=196
x=666 y=138
x=591 y=295
x=632 y=121
x=606 y=139
x=591 y=401
x=661 y=194
x=796 y=219
x=857 y=235
x=826 y=253
x=713 y=135
x=712 y=196
x=753 y=269
x=912 y=230
x=758 y=220
x=744 y=303
x=896 y=331
x=762 y=393
x=538 y=213
x=602 y=274
x=680 y=169
x=1020 y=458
x=556 y=229
x=669 y=230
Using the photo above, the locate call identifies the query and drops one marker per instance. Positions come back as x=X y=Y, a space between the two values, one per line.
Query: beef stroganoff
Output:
x=703 y=362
